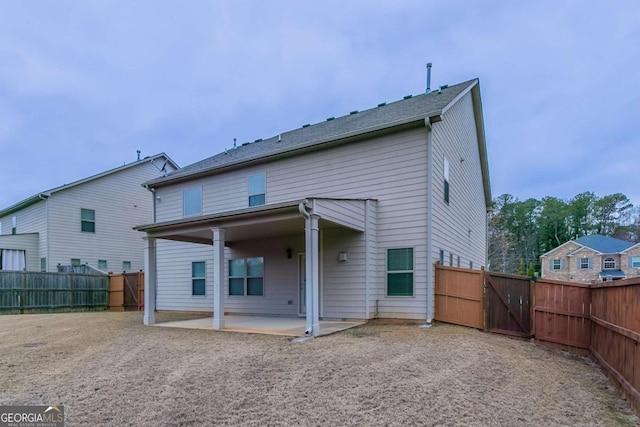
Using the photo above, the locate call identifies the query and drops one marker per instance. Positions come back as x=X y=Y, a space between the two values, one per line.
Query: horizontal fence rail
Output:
x=39 y=292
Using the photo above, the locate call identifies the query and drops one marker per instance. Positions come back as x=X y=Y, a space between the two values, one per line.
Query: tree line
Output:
x=521 y=231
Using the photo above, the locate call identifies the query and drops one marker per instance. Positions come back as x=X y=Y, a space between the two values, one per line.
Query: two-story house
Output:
x=342 y=219
x=592 y=258
x=86 y=222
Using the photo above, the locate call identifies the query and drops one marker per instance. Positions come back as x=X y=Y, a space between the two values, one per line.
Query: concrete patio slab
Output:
x=287 y=326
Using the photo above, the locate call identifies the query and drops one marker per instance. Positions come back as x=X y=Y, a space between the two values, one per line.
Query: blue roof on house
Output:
x=612 y=273
x=604 y=244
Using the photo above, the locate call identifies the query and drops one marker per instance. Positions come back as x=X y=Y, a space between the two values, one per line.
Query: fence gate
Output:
x=133 y=285
x=508 y=304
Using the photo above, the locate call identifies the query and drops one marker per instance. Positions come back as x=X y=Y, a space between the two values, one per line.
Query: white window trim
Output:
x=604 y=263
x=263 y=175
x=386 y=273
x=184 y=201
x=198 y=278
x=580 y=263
x=245 y=278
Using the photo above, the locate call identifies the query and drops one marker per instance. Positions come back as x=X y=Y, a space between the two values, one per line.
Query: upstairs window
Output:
x=192 y=201
x=556 y=264
x=609 y=263
x=14 y=225
x=257 y=189
x=0 y=228
x=88 y=220
x=400 y=272
x=446 y=180
x=102 y=264
x=126 y=265
x=75 y=262
x=634 y=262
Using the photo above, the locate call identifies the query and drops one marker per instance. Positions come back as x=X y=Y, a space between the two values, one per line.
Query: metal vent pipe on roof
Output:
x=429 y=77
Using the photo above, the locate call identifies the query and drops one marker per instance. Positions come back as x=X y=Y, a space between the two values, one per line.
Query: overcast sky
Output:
x=84 y=84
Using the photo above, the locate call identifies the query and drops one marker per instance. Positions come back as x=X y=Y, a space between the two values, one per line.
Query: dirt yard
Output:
x=108 y=369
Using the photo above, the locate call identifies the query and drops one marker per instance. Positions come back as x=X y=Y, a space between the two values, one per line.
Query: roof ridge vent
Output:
x=331 y=118
x=408 y=97
x=382 y=104
x=306 y=125
x=354 y=112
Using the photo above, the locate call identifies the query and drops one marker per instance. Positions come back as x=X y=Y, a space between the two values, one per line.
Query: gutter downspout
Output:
x=153 y=198
x=430 y=285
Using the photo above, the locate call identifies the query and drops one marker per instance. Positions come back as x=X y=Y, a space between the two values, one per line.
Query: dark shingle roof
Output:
x=604 y=244
x=387 y=115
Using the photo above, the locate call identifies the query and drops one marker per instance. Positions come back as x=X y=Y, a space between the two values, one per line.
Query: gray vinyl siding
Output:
x=391 y=172
x=174 y=276
x=390 y=169
x=455 y=138
x=31 y=219
x=348 y=213
x=27 y=242
x=343 y=282
x=280 y=277
x=120 y=203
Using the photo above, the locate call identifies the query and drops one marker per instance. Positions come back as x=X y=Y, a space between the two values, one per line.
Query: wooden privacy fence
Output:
x=37 y=292
x=507 y=302
x=126 y=291
x=601 y=319
x=491 y=301
x=458 y=296
x=615 y=333
x=562 y=314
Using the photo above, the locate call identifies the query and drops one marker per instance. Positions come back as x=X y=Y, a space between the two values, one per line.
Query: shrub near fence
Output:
x=37 y=292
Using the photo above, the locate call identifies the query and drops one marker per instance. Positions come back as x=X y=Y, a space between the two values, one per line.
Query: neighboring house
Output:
x=86 y=222
x=340 y=219
x=592 y=258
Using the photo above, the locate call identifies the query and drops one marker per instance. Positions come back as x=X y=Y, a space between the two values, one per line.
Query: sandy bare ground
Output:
x=108 y=369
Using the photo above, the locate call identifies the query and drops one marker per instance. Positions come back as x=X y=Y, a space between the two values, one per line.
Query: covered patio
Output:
x=234 y=229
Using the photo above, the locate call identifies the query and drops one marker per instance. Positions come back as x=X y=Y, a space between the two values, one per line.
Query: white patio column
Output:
x=315 y=268
x=218 y=278
x=149 y=317
x=308 y=292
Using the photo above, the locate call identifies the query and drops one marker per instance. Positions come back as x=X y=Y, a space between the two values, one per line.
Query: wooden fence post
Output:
x=140 y=290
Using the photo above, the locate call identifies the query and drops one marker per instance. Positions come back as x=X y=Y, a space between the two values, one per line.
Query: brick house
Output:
x=592 y=258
